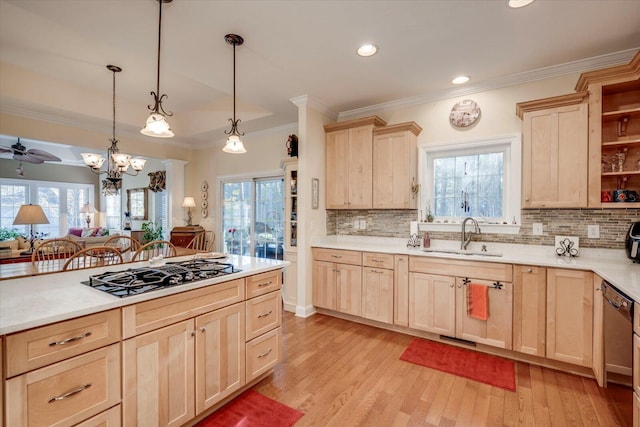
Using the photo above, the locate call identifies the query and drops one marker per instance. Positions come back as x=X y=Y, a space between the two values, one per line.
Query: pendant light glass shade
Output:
x=234 y=145
x=156 y=124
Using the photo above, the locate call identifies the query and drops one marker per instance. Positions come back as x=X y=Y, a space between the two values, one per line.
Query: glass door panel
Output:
x=268 y=224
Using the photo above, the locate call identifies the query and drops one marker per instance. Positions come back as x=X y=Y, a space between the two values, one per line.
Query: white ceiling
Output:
x=292 y=48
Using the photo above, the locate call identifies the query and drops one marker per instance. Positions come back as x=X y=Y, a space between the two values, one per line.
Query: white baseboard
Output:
x=305 y=311
x=290 y=307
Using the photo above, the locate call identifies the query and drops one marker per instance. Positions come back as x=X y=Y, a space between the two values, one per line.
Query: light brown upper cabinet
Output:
x=349 y=163
x=614 y=132
x=555 y=151
x=395 y=166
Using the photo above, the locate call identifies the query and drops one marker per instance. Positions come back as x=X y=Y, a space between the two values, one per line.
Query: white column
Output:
x=175 y=191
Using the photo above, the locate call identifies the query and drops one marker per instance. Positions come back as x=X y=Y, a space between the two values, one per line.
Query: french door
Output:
x=252 y=217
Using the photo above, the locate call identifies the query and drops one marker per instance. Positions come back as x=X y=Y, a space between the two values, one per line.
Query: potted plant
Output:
x=429 y=214
x=151 y=232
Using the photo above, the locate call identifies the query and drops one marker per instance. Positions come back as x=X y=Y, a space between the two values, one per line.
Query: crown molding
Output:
x=579 y=66
x=309 y=101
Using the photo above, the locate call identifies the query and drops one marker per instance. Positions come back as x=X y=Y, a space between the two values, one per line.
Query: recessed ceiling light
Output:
x=460 y=79
x=367 y=50
x=519 y=3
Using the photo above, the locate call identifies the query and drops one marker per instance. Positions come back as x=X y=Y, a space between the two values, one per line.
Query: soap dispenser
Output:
x=426 y=242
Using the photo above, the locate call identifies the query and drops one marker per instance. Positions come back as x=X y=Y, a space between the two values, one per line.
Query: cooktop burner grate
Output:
x=135 y=281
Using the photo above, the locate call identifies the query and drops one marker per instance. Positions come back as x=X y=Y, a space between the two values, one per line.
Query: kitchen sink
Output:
x=462 y=252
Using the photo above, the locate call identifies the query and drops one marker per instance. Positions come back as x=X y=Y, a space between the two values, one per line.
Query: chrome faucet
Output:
x=464 y=240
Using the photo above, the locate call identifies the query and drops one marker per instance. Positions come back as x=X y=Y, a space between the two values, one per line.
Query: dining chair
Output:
x=51 y=251
x=123 y=243
x=95 y=256
x=203 y=242
x=153 y=249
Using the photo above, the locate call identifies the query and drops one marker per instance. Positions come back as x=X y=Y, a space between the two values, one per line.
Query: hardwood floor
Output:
x=341 y=373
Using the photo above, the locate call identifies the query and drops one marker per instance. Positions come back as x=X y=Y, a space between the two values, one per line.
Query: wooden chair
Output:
x=95 y=256
x=123 y=243
x=51 y=251
x=153 y=249
x=203 y=242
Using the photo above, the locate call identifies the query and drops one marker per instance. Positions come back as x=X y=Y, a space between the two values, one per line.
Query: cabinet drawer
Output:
x=337 y=255
x=43 y=346
x=154 y=314
x=452 y=267
x=636 y=318
x=263 y=283
x=373 y=259
x=263 y=314
x=108 y=418
x=263 y=353
x=67 y=392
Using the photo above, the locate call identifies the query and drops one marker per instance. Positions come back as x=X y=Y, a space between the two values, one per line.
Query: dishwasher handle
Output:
x=620 y=302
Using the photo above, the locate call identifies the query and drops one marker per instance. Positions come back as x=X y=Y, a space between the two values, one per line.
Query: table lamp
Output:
x=88 y=209
x=189 y=203
x=29 y=215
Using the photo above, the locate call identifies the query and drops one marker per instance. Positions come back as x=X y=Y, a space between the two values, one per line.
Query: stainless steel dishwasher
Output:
x=618 y=334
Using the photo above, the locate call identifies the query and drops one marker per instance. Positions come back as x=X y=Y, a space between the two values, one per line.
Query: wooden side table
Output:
x=181 y=236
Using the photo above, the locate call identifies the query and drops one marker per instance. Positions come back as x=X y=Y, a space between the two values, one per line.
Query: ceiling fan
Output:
x=32 y=155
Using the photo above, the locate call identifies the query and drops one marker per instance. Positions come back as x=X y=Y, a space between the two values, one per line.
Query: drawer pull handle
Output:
x=377 y=260
x=68 y=340
x=70 y=393
x=336 y=256
x=265 y=314
x=377 y=271
x=265 y=354
x=203 y=329
x=265 y=283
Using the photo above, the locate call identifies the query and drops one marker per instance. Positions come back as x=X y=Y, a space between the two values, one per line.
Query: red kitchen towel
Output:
x=478 y=301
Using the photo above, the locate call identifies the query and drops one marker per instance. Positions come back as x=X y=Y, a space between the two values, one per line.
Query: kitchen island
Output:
x=70 y=351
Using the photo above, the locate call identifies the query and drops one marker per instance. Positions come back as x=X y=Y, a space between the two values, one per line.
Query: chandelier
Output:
x=157 y=125
x=234 y=144
x=117 y=163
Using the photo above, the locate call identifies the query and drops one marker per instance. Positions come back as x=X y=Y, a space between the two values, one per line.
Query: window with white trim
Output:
x=478 y=178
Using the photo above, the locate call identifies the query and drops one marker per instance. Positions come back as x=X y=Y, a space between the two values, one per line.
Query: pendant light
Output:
x=234 y=144
x=157 y=125
x=117 y=163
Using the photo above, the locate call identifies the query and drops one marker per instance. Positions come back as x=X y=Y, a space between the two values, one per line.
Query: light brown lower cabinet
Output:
x=67 y=392
x=158 y=371
x=529 y=309
x=570 y=316
x=401 y=290
x=432 y=303
x=337 y=287
x=109 y=418
x=377 y=294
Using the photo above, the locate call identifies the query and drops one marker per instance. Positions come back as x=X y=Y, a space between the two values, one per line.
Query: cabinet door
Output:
x=599 y=370
x=554 y=157
x=360 y=167
x=529 y=309
x=324 y=285
x=401 y=290
x=220 y=355
x=497 y=330
x=349 y=288
x=570 y=316
x=158 y=377
x=394 y=168
x=337 y=172
x=432 y=303
x=377 y=294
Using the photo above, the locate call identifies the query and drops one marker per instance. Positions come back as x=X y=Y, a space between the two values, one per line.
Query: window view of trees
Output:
x=469 y=185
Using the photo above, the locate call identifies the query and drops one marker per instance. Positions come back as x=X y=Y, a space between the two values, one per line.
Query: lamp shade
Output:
x=157 y=126
x=188 y=202
x=87 y=208
x=234 y=145
x=30 y=214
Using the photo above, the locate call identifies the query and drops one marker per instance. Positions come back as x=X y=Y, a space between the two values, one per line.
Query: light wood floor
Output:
x=341 y=373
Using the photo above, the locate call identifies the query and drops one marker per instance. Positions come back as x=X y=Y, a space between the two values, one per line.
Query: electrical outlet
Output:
x=363 y=224
x=356 y=225
x=593 y=231
x=537 y=229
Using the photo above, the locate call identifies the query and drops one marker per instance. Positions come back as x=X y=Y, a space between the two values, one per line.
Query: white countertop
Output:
x=610 y=264
x=39 y=300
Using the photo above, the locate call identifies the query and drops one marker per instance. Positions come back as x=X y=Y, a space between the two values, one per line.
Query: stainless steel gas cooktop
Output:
x=136 y=281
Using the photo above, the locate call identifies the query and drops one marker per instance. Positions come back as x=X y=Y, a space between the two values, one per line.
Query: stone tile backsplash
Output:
x=614 y=224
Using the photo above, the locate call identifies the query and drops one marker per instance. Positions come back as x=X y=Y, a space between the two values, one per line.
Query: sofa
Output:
x=85 y=237
x=12 y=248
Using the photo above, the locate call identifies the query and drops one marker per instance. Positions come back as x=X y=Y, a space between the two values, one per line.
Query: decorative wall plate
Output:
x=464 y=113
x=204 y=195
x=204 y=186
x=204 y=204
x=204 y=213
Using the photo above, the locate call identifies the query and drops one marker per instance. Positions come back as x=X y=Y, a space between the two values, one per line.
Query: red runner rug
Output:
x=476 y=366
x=252 y=409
